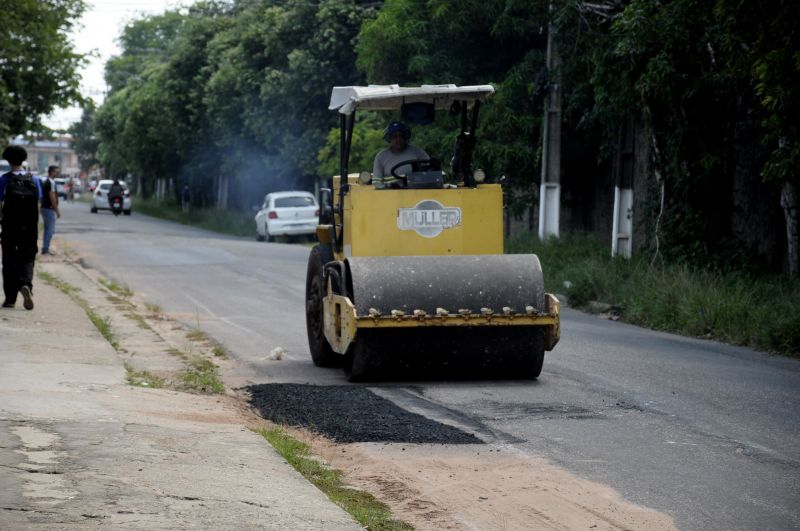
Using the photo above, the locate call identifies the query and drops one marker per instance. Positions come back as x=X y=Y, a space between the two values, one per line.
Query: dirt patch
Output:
x=480 y=487
x=350 y=414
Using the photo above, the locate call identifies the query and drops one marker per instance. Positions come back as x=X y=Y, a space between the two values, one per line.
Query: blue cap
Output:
x=394 y=127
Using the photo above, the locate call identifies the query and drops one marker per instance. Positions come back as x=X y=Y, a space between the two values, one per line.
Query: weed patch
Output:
x=363 y=506
x=233 y=222
x=119 y=289
x=140 y=322
x=142 y=378
x=201 y=376
x=220 y=351
x=756 y=311
x=196 y=335
x=153 y=309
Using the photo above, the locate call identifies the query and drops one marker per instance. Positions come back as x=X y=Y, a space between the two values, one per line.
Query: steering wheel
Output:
x=416 y=165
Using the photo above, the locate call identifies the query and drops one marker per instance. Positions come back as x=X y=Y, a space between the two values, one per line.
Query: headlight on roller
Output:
x=364 y=177
x=479 y=176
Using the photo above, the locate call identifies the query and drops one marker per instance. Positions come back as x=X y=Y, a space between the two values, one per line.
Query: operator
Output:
x=399 y=150
x=116 y=190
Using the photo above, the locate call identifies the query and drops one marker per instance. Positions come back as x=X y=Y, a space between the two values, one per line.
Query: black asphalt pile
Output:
x=349 y=414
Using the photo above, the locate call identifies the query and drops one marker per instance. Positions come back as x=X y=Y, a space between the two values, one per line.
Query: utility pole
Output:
x=550 y=189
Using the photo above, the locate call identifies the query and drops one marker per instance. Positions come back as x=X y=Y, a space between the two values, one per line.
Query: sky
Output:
x=97 y=33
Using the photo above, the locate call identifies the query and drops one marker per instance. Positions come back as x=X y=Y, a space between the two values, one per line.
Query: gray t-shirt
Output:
x=386 y=159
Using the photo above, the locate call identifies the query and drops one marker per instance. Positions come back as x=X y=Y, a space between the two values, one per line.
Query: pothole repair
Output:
x=348 y=414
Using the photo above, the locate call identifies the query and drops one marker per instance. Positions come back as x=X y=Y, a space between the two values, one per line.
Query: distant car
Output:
x=100 y=197
x=287 y=214
x=61 y=187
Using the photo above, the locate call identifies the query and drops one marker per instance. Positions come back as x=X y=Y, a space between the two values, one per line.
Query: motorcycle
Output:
x=116 y=205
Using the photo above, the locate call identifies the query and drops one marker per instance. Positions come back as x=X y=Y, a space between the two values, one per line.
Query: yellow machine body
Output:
x=440 y=222
x=446 y=222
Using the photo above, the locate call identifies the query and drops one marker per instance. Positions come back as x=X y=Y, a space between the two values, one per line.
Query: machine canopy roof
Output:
x=391 y=97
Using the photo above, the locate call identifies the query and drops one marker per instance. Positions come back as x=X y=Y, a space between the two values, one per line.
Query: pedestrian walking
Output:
x=20 y=195
x=186 y=199
x=70 y=189
x=50 y=210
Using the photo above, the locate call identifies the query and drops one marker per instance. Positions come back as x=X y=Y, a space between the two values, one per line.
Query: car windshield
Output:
x=106 y=186
x=294 y=201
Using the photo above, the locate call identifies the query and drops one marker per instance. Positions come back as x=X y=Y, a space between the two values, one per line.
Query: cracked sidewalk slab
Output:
x=80 y=448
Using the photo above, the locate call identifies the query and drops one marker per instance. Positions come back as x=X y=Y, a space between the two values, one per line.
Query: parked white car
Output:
x=287 y=214
x=100 y=197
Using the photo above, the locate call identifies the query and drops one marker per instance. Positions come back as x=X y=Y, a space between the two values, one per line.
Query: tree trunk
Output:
x=789 y=203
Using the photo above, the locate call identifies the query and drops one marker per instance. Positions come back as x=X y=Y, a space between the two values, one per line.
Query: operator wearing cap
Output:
x=399 y=150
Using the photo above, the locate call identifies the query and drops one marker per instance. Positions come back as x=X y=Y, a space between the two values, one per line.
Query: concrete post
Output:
x=550 y=189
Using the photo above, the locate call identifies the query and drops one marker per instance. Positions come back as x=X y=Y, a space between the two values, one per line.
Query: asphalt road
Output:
x=705 y=432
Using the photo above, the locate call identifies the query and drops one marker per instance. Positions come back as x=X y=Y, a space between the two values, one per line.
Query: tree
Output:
x=84 y=138
x=39 y=69
x=456 y=41
x=763 y=46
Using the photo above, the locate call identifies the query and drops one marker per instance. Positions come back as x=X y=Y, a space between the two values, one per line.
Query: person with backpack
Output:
x=20 y=195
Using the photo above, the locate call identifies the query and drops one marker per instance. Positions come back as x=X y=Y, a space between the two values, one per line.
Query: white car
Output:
x=287 y=214
x=60 y=187
x=100 y=197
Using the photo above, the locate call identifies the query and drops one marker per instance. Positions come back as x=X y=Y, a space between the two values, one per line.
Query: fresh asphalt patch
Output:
x=348 y=414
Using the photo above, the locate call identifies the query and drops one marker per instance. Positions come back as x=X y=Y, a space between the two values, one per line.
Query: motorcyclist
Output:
x=115 y=191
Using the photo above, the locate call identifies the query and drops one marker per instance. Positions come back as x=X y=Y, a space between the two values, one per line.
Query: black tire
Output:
x=358 y=365
x=532 y=367
x=270 y=238
x=93 y=210
x=126 y=212
x=321 y=351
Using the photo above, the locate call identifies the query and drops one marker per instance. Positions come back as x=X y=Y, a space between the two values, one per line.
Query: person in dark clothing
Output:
x=50 y=211
x=115 y=191
x=186 y=199
x=20 y=194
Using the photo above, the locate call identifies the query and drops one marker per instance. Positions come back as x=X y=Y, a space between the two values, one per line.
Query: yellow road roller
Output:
x=409 y=278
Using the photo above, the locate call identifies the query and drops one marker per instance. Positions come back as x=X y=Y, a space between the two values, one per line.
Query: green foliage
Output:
x=763 y=45
x=240 y=90
x=761 y=312
x=228 y=90
x=84 y=139
x=201 y=376
x=367 y=141
x=233 y=222
x=143 y=378
x=449 y=41
x=39 y=69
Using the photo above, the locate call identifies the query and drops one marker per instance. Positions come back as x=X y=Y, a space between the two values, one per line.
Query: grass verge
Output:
x=119 y=289
x=102 y=324
x=233 y=222
x=363 y=506
x=142 y=378
x=756 y=311
x=201 y=376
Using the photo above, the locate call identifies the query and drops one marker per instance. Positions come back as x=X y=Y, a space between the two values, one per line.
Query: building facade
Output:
x=50 y=152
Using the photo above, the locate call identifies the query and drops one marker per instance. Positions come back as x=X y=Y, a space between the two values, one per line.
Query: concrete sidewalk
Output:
x=79 y=447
